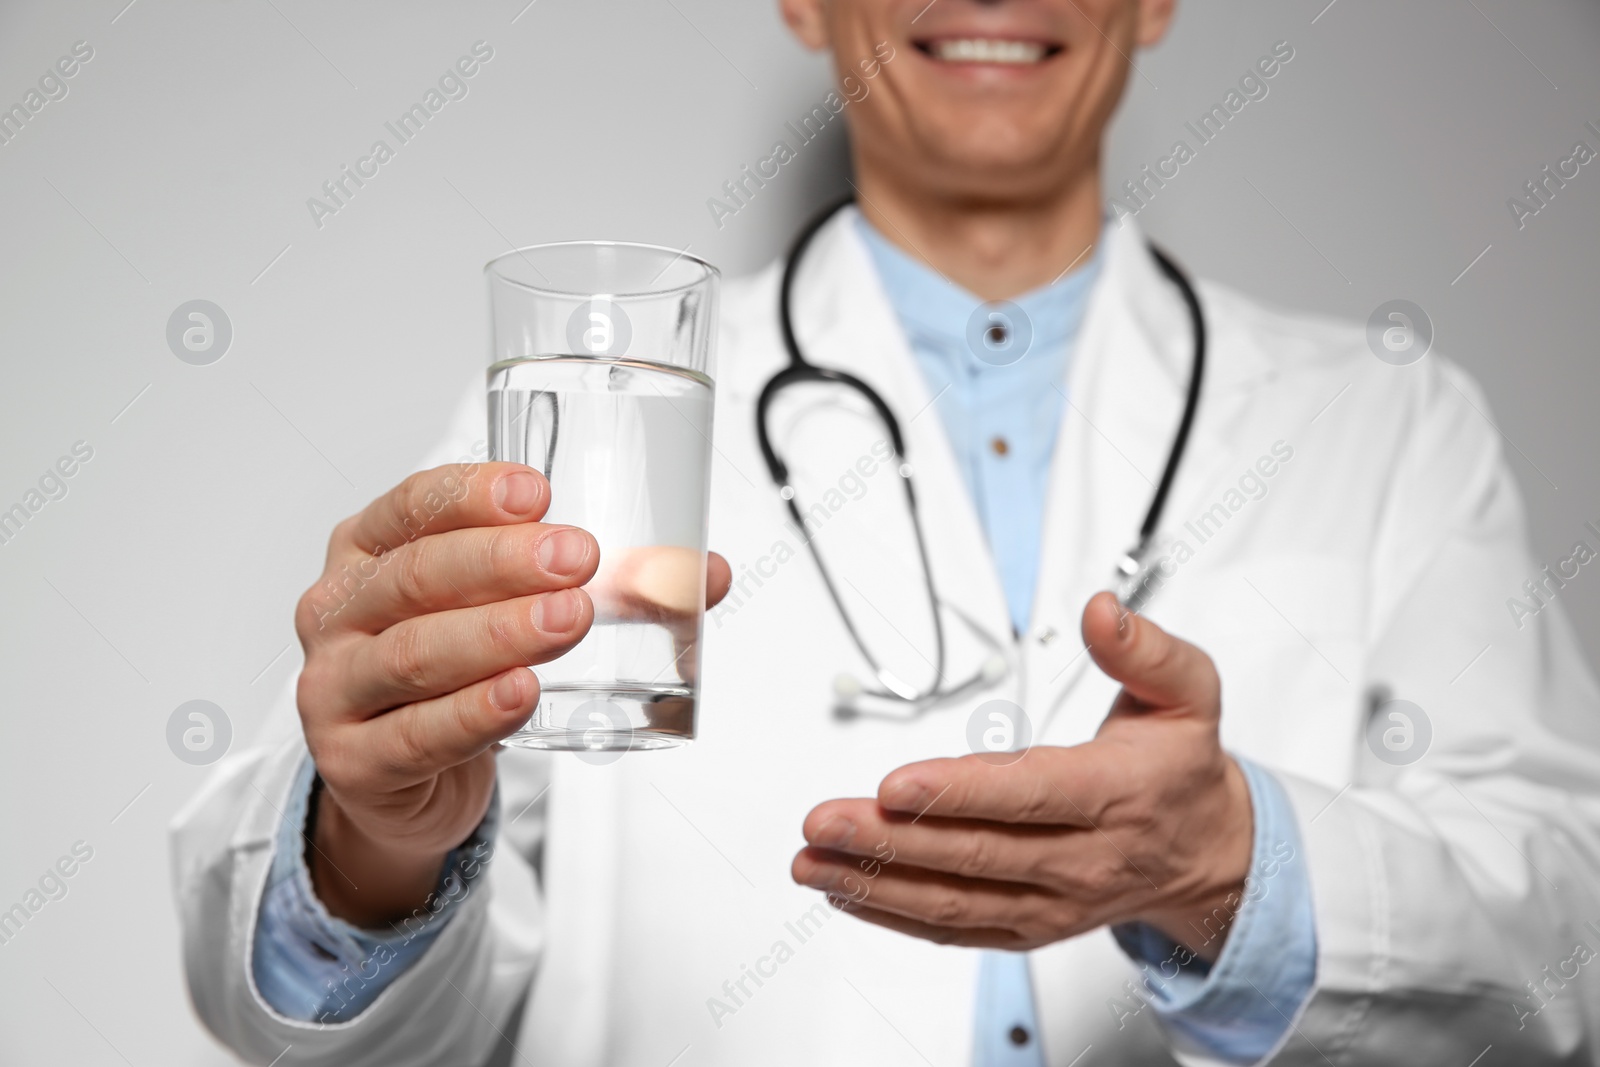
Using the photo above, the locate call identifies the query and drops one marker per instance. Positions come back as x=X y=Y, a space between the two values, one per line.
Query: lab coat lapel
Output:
x=844 y=320
x=1125 y=394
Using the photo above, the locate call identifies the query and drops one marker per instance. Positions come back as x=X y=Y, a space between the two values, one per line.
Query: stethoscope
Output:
x=1131 y=578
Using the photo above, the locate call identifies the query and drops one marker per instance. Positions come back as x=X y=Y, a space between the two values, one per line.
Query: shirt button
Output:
x=1019 y=1036
x=999 y=446
x=998 y=334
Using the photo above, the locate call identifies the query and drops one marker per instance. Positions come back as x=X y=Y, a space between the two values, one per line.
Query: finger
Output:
x=418 y=741
x=969 y=937
x=1155 y=668
x=464 y=568
x=967 y=847
x=429 y=656
x=1026 y=791
x=452 y=497
x=662 y=584
x=930 y=897
x=719 y=579
x=658 y=584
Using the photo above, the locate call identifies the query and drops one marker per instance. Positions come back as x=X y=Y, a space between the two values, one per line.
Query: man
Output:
x=1223 y=869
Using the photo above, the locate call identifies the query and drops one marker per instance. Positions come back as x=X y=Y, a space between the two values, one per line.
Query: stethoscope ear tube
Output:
x=1191 y=403
x=801 y=371
x=1132 y=576
x=791 y=266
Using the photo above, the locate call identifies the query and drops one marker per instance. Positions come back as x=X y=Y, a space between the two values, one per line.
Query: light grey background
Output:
x=178 y=168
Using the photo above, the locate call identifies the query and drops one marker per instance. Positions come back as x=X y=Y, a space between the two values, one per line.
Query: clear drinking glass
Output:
x=600 y=377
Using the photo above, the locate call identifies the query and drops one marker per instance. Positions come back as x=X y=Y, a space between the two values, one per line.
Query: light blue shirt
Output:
x=998 y=375
x=314 y=967
x=1001 y=406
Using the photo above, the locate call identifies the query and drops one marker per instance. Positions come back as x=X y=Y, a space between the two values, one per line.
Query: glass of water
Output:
x=600 y=377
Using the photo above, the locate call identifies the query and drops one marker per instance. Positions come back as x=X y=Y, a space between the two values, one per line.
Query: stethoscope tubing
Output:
x=799 y=369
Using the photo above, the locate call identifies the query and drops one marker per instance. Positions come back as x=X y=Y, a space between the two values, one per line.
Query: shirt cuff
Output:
x=313 y=967
x=1239 y=1008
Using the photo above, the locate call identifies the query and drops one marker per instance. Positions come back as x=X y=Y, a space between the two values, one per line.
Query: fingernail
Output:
x=517 y=492
x=506 y=694
x=564 y=552
x=556 y=613
x=835 y=833
x=905 y=796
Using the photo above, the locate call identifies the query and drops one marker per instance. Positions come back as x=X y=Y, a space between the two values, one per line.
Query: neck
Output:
x=995 y=249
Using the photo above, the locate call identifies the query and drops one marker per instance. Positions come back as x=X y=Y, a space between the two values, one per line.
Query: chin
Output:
x=992 y=156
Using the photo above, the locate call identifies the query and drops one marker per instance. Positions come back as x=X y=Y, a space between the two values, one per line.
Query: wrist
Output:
x=364 y=879
x=1201 y=920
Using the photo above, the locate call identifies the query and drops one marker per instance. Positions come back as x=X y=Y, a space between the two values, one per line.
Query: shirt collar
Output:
x=934 y=309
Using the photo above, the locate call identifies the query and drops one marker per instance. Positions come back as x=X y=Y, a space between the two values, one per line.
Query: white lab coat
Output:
x=1383 y=554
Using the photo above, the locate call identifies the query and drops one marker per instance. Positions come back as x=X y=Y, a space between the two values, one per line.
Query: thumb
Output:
x=719 y=578
x=1155 y=668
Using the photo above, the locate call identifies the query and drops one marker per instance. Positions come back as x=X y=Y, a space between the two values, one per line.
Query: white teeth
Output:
x=988 y=50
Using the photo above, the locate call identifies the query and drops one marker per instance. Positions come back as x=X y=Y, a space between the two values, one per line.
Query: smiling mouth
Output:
x=994 y=50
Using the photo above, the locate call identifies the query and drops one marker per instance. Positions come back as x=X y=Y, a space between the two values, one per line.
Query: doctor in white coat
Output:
x=1225 y=841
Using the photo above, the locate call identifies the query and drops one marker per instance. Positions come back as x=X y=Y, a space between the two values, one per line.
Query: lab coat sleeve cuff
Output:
x=313 y=967
x=1237 y=1010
